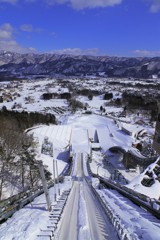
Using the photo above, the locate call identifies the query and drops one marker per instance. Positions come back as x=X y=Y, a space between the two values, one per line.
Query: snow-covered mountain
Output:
x=15 y=64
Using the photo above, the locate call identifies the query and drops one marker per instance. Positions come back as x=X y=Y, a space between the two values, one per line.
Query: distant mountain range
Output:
x=49 y=65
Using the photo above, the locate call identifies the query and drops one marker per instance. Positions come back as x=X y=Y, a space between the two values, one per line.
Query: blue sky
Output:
x=92 y=27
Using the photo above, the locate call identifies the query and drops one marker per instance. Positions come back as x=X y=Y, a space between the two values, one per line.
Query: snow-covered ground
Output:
x=59 y=136
x=153 y=191
x=138 y=223
x=75 y=131
x=27 y=96
x=27 y=223
x=74 y=134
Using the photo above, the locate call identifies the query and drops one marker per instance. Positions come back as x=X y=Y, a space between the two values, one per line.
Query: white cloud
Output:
x=6 y=31
x=4 y=34
x=77 y=51
x=146 y=53
x=26 y=27
x=30 y=28
x=13 y=46
x=82 y=4
x=76 y=4
x=8 y=42
x=155 y=6
x=9 y=1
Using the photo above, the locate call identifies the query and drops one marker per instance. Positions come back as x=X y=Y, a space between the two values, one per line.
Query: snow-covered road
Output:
x=84 y=217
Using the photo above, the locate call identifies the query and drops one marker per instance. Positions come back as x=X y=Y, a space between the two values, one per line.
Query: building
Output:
x=95 y=146
x=132 y=130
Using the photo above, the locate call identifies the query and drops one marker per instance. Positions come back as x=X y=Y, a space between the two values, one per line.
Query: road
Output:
x=84 y=217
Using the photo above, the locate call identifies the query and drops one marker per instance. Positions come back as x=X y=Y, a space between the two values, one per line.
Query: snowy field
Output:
x=27 y=96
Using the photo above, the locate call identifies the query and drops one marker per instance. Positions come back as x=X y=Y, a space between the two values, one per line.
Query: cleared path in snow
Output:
x=84 y=217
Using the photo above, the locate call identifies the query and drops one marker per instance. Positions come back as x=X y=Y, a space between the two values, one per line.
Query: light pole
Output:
x=41 y=170
x=54 y=179
x=55 y=172
x=57 y=178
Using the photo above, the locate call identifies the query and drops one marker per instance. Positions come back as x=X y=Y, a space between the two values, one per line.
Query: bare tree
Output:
x=17 y=160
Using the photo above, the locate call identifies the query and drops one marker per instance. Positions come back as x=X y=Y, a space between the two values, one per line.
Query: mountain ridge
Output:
x=47 y=64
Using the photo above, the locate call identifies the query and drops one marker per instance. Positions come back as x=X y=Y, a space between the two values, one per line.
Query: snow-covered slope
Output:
x=60 y=138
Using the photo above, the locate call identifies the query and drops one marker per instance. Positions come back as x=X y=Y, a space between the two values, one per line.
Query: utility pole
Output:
x=41 y=170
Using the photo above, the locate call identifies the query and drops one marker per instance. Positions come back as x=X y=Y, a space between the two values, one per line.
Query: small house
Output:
x=132 y=130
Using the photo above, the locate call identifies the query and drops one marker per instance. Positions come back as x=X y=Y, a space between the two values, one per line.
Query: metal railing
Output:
x=9 y=206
